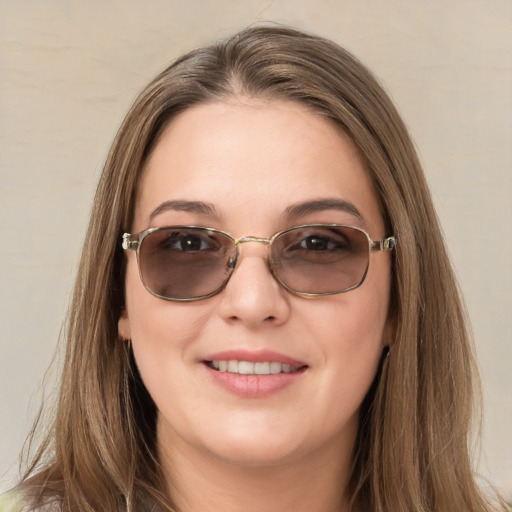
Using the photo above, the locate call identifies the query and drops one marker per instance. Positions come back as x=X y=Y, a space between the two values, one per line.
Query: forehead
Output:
x=253 y=159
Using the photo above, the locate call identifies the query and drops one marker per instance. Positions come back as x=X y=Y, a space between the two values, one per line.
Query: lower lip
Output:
x=254 y=386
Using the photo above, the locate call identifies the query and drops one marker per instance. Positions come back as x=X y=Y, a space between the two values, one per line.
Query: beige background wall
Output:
x=70 y=69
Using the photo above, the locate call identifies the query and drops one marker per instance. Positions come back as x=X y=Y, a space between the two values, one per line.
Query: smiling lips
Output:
x=254 y=374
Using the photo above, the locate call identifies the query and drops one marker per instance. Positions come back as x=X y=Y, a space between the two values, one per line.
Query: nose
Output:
x=252 y=296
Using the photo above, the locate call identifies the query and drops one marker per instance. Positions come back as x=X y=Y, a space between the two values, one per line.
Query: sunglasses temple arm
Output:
x=129 y=243
x=386 y=244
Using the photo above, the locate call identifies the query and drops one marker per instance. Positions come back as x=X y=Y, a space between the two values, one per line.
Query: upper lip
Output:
x=254 y=356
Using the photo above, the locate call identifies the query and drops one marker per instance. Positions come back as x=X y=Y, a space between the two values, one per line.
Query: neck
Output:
x=201 y=481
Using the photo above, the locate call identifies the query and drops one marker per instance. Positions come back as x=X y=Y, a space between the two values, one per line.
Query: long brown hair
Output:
x=412 y=451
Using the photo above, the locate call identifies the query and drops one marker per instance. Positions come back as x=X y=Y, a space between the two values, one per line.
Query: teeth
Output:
x=275 y=367
x=261 y=368
x=245 y=368
x=250 y=368
x=287 y=368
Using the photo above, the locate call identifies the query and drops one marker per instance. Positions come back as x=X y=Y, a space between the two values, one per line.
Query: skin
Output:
x=252 y=159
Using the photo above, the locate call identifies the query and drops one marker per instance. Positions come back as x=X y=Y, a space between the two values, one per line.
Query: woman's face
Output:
x=241 y=166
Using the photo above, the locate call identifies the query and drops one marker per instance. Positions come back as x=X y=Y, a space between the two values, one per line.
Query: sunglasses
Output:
x=186 y=263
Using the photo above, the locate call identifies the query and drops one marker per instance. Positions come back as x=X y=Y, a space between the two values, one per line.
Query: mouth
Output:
x=253 y=368
x=254 y=373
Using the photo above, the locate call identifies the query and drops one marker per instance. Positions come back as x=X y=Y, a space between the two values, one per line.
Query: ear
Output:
x=123 y=325
x=388 y=335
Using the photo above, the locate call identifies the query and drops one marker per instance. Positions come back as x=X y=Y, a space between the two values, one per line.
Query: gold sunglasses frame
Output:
x=133 y=242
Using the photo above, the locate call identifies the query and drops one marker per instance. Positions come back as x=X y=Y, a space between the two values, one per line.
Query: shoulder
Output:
x=15 y=501
x=12 y=501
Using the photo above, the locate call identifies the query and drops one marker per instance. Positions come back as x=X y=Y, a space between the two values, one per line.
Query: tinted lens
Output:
x=320 y=259
x=185 y=263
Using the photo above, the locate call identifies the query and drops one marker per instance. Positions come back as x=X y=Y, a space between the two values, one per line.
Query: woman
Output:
x=265 y=317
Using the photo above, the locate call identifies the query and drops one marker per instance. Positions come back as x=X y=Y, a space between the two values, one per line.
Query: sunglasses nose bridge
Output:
x=257 y=239
x=243 y=240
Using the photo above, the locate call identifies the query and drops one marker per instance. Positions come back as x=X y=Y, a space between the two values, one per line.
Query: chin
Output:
x=274 y=444
x=253 y=455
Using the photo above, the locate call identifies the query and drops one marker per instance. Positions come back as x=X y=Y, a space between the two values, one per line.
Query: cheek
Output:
x=351 y=334
x=164 y=337
x=162 y=332
x=352 y=322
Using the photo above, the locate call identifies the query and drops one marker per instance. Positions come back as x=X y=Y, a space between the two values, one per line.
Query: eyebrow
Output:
x=320 y=205
x=198 y=207
x=296 y=210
